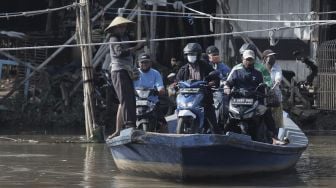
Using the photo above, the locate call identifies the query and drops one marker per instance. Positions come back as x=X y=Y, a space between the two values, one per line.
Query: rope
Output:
x=195 y=14
x=165 y=39
x=38 y=12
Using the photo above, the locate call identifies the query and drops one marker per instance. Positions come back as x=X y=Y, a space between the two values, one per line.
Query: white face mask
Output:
x=192 y=58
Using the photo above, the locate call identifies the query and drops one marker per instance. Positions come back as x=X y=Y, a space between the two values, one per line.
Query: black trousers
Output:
x=210 y=119
x=124 y=89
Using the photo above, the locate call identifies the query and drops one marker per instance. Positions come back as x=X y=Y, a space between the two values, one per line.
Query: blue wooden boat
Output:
x=203 y=155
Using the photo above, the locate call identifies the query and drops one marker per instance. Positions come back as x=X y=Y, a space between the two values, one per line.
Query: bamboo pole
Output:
x=84 y=35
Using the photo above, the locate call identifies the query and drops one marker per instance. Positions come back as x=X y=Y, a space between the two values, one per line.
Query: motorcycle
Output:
x=245 y=113
x=190 y=110
x=190 y=105
x=146 y=104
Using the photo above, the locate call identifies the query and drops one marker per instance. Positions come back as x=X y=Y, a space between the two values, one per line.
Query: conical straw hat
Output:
x=118 y=21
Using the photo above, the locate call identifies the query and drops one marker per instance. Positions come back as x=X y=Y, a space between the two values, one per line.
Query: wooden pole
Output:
x=139 y=31
x=204 y=27
x=153 y=31
x=182 y=31
x=168 y=55
x=224 y=44
x=84 y=36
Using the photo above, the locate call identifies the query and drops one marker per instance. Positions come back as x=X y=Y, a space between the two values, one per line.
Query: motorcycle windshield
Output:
x=189 y=90
x=184 y=101
x=191 y=84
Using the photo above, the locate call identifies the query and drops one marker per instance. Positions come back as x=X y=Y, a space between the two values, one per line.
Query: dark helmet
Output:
x=247 y=46
x=192 y=48
x=212 y=50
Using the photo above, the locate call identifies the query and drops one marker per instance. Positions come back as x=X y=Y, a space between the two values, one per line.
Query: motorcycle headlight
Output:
x=185 y=105
x=189 y=104
x=143 y=93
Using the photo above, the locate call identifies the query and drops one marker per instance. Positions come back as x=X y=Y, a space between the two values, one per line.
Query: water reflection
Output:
x=91 y=165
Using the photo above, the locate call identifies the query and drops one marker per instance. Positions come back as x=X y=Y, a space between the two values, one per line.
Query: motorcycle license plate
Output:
x=189 y=90
x=142 y=103
x=242 y=101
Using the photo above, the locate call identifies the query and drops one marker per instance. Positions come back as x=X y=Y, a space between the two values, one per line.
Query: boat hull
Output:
x=202 y=155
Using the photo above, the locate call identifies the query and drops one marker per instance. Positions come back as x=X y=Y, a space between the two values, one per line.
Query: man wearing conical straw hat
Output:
x=123 y=72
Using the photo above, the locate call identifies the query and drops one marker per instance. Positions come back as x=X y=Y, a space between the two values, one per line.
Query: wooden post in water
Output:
x=84 y=37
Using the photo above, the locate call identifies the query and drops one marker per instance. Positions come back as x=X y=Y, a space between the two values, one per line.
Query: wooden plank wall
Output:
x=272 y=7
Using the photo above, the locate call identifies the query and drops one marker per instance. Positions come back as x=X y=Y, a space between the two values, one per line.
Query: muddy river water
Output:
x=40 y=164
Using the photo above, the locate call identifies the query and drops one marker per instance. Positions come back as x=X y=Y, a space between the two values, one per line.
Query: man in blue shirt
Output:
x=151 y=78
x=216 y=63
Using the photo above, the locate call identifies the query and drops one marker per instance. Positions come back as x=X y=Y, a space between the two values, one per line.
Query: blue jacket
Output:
x=248 y=79
x=223 y=69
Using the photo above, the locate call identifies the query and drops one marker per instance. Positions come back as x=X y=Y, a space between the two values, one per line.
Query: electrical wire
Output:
x=38 y=12
x=231 y=14
x=166 y=39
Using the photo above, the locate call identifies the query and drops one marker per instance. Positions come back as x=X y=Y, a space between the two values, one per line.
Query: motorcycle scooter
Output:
x=245 y=113
x=146 y=104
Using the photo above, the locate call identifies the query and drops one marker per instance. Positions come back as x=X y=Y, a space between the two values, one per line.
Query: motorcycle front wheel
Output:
x=186 y=126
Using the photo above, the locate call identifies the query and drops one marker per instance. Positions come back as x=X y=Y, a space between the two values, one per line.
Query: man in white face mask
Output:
x=196 y=69
x=192 y=58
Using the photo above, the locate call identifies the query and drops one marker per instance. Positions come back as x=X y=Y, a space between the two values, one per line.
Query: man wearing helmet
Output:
x=196 y=69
